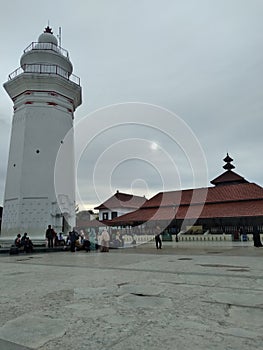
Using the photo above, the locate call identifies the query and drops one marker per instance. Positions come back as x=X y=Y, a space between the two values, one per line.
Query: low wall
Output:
x=184 y=238
x=211 y=237
x=205 y=238
x=7 y=242
x=138 y=238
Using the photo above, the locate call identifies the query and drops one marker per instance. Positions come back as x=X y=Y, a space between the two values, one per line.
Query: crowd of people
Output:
x=82 y=241
x=101 y=241
x=74 y=241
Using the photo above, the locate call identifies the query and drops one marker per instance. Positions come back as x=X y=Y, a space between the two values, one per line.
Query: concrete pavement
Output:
x=185 y=296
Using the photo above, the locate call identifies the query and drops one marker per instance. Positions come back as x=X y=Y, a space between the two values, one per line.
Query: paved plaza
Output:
x=206 y=295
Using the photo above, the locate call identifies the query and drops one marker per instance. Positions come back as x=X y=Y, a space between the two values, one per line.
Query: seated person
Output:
x=23 y=239
x=78 y=243
x=86 y=243
x=60 y=239
x=28 y=245
x=17 y=242
x=82 y=237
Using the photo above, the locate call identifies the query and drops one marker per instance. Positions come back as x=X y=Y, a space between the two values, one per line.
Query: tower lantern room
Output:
x=45 y=94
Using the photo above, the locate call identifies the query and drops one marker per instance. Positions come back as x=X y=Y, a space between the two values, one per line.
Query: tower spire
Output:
x=59 y=36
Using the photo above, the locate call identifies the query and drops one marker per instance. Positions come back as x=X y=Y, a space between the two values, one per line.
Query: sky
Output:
x=168 y=88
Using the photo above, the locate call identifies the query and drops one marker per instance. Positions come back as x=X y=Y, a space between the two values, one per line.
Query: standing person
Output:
x=105 y=241
x=133 y=242
x=98 y=241
x=157 y=237
x=122 y=239
x=50 y=233
x=118 y=242
x=73 y=237
x=256 y=237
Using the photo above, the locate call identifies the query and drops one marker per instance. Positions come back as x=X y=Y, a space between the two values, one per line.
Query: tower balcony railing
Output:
x=48 y=69
x=47 y=46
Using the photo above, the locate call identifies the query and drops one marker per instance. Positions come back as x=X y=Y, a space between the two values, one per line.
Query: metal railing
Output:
x=44 y=69
x=47 y=46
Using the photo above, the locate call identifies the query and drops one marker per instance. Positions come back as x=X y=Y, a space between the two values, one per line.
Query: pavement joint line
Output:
x=142 y=270
x=231 y=304
x=211 y=286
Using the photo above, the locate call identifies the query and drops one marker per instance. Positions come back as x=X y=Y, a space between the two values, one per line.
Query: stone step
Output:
x=37 y=249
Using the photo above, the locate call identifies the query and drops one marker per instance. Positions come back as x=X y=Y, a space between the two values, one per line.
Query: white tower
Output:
x=45 y=94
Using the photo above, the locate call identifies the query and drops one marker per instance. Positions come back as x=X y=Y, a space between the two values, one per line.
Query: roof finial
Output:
x=228 y=165
x=48 y=30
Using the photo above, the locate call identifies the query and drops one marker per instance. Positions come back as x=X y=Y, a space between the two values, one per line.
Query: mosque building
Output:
x=231 y=203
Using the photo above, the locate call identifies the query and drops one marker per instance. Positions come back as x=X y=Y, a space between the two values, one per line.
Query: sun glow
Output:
x=154 y=146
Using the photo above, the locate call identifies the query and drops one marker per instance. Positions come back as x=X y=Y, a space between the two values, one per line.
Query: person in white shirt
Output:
x=105 y=241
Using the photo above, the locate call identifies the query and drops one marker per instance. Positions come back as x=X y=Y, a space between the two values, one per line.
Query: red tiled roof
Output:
x=141 y=215
x=122 y=200
x=238 y=192
x=216 y=210
x=244 y=199
x=222 y=210
x=228 y=177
